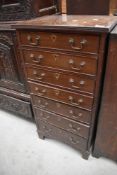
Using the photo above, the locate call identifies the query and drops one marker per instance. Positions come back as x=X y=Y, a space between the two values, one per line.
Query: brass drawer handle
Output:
x=74 y=129
x=40 y=93
x=38 y=59
x=46 y=118
x=46 y=129
x=37 y=40
x=39 y=77
x=73 y=141
x=82 y=64
x=41 y=105
x=82 y=82
x=72 y=43
x=74 y=115
x=80 y=101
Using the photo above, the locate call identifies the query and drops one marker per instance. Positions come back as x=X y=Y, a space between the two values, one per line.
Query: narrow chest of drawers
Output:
x=63 y=67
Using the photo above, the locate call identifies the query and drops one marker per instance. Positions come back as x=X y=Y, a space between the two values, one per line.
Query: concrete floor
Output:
x=23 y=153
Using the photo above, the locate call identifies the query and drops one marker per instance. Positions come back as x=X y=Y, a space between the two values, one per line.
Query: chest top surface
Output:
x=6 y=26
x=114 y=32
x=71 y=22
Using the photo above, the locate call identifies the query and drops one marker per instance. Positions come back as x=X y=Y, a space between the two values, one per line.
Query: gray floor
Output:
x=22 y=153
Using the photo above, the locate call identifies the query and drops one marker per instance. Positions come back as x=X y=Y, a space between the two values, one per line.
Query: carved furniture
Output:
x=25 y=9
x=13 y=92
x=63 y=60
x=92 y=7
x=106 y=136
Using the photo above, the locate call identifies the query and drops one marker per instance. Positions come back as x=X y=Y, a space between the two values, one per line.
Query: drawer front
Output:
x=74 y=42
x=74 y=82
x=63 y=123
x=53 y=132
x=17 y=106
x=62 y=109
x=73 y=63
x=68 y=97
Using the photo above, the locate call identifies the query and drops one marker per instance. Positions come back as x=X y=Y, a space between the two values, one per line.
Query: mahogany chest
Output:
x=106 y=136
x=63 y=58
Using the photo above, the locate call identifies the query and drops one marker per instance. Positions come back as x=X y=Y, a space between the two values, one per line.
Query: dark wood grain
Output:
x=15 y=105
x=83 y=23
x=89 y=7
x=67 y=111
x=69 y=97
x=63 y=123
x=74 y=63
x=12 y=79
x=113 y=7
x=106 y=136
x=9 y=58
x=26 y=9
x=13 y=92
x=50 y=131
x=52 y=95
x=74 y=82
x=105 y=7
x=54 y=40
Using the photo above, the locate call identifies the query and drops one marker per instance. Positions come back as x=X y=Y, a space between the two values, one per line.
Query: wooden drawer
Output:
x=50 y=131
x=75 y=82
x=63 y=123
x=64 y=62
x=17 y=106
x=73 y=42
x=62 y=109
x=68 y=97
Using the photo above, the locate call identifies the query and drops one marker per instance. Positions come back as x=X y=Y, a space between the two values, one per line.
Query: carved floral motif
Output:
x=14 y=105
x=15 y=12
x=6 y=58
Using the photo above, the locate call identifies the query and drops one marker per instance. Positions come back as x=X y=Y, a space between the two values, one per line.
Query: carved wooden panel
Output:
x=12 y=6
x=10 y=10
x=14 y=105
x=25 y=9
x=10 y=77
